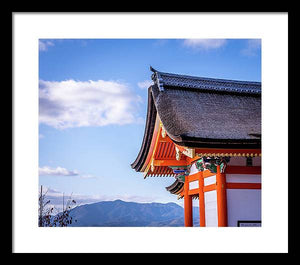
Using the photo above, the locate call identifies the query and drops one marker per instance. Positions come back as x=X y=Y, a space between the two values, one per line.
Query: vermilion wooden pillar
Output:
x=188 y=205
x=201 y=199
x=221 y=198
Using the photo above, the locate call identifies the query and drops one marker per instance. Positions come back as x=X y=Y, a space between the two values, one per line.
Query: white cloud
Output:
x=253 y=46
x=87 y=176
x=44 y=44
x=71 y=103
x=204 y=44
x=59 y=171
x=145 y=84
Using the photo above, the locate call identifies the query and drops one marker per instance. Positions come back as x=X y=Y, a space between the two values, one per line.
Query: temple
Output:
x=206 y=133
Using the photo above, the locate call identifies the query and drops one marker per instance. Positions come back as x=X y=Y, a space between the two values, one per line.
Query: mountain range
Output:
x=119 y=213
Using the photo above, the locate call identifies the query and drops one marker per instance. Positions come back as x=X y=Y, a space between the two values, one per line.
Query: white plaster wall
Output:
x=194 y=184
x=243 y=204
x=193 y=170
x=209 y=180
x=196 y=214
x=211 y=214
x=243 y=178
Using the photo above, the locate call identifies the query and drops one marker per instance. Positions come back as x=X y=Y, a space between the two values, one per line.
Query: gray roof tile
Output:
x=202 y=83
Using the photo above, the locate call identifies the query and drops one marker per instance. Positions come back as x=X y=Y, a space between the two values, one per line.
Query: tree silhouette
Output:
x=46 y=216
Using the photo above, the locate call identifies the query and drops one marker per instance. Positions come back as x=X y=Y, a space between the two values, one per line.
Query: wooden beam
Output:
x=193 y=191
x=187 y=151
x=169 y=162
x=194 y=176
x=209 y=187
x=227 y=152
x=243 y=170
x=188 y=205
x=201 y=199
x=192 y=160
x=247 y=186
x=221 y=198
x=207 y=173
x=166 y=139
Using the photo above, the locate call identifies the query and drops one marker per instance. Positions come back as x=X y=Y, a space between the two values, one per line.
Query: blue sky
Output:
x=93 y=102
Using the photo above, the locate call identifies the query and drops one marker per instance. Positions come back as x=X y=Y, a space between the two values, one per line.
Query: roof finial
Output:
x=152 y=69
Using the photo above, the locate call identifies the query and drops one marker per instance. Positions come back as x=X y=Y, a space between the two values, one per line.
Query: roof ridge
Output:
x=206 y=83
x=212 y=79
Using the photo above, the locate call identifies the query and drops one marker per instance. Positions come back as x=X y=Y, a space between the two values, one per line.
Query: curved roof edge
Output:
x=148 y=132
x=175 y=186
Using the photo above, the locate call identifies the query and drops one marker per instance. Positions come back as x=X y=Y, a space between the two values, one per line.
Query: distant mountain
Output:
x=129 y=214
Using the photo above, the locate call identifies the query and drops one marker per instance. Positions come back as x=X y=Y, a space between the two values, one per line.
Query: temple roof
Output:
x=175 y=187
x=203 y=112
x=196 y=110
